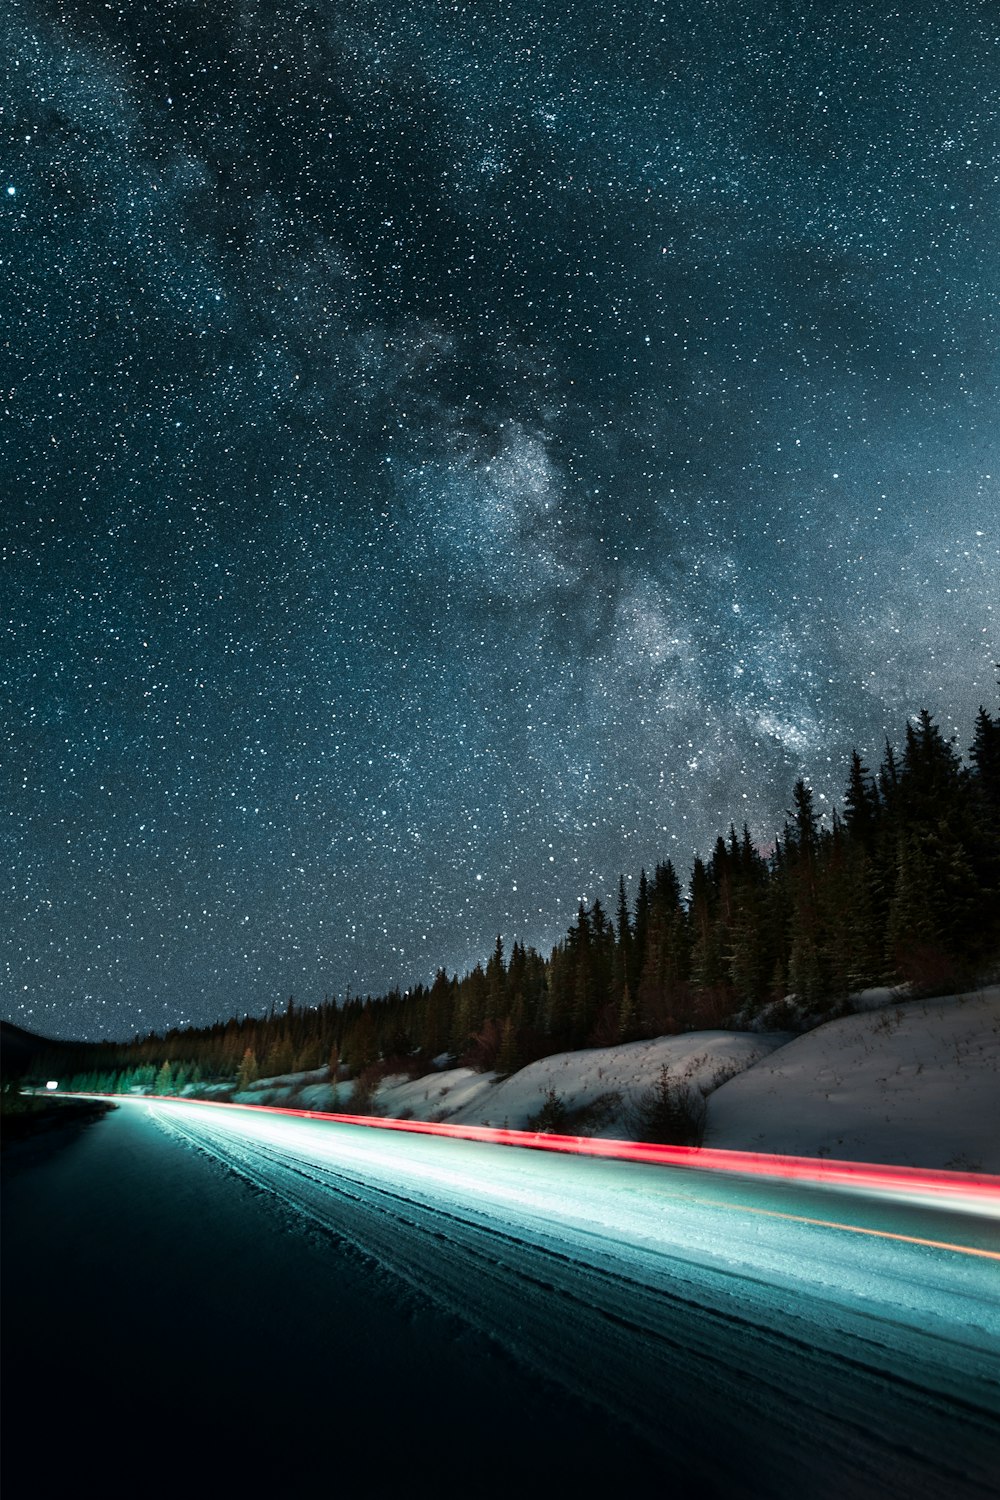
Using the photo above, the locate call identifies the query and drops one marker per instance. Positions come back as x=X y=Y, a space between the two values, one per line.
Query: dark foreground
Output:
x=417 y=1317
x=170 y=1331
x=38 y=1116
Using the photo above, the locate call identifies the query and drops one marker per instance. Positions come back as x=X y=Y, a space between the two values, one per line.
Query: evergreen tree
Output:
x=496 y=982
x=507 y=1059
x=641 y=928
x=557 y=1021
x=750 y=957
x=626 y=1016
x=664 y=986
x=469 y=1010
x=985 y=757
x=248 y=1072
x=164 y=1082
x=888 y=778
x=915 y=936
x=935 y=929
x=280 y=1056
x=861 y=804
x=710 y=937
x=931 y=777
x=438 y=1016
x=808 y=976
x=866 y=914
x=583 y=945
x=623 y=974
x=360 y=1043
x=984 y=831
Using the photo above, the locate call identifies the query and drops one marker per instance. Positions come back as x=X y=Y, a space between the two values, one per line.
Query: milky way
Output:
x=455 y=453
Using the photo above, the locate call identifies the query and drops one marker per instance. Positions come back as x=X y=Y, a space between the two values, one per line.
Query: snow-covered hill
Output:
x=594 y=1092
x=912 y=1082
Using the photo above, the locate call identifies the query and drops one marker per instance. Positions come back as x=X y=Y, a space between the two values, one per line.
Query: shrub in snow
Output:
x=362 y=1100
x=559 y=1118
x=552 y=1115
x=671 y=1112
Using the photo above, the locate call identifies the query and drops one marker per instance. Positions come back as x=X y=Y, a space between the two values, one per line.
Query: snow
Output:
x=439 y=1096
x=580 y=1309
x=907 y=1082
x=916 y=1083
x=598 y=1088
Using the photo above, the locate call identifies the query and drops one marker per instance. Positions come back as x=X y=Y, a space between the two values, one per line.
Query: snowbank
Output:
x=310 y=1090
x=907 y=1082
x=596 y=1091
x=912 y=1084
x=438 y=1096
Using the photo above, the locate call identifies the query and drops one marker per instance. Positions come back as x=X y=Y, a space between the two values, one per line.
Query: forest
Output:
x=902 y=888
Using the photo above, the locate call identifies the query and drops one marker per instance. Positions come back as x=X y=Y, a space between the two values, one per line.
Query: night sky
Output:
x=453 y=453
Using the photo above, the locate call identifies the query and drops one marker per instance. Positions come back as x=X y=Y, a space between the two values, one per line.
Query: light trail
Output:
x=846 y=1321
x=975 y=1191
x=785 y=1337
x=832 y=1322
x=883 y=1234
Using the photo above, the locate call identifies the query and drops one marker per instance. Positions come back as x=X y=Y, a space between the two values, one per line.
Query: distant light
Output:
x=11 y=191
x=52 y=1084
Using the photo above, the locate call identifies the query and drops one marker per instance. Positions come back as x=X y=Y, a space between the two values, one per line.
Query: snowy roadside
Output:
x=912 y=1082
x=592 y=1092
x=595 y=1092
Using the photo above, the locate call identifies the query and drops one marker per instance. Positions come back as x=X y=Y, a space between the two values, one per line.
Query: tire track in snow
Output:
x=643 y=1332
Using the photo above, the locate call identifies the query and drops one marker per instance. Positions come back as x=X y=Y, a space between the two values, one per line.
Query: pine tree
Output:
x=641 y=927
x=663 y=998
x=807 y=974
x=709 y=939
x=861 y=805
x=888 y=777
x=915 y=937
x=469 y=1010
x=557 y=1020
x=750 y=957
x=248 y=1072
x=624 y=956
x=496 y=982
x=626 y=1016
x=360 y=1043
x=164 y=1082
x=586 y=977
x=280 y=1057
x=507 y=1060
x=985 y=757
x=437 y=1016
x=984 y=830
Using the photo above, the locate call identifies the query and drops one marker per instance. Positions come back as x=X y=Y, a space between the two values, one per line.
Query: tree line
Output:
x=902 y=887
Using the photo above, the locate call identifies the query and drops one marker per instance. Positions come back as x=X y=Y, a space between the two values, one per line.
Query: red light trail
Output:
x=981 y=1187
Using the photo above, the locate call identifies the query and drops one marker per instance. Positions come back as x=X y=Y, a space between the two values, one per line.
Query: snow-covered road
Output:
x=785 y=1339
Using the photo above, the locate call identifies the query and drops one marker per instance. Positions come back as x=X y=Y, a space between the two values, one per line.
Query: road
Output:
x=752 y=1338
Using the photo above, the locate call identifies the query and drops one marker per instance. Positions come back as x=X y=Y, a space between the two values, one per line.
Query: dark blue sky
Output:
x=452 y=454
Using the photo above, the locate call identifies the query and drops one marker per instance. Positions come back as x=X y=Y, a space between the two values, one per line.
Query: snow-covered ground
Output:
x=915 y=1083
x=559 y=1313
x=595 y=1092
x=910 y=1082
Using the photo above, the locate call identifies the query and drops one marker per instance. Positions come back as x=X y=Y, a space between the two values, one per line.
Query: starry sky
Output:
x=453 y=453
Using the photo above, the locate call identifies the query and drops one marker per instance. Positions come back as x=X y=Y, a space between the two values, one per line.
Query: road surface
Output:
x=743 y=1337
